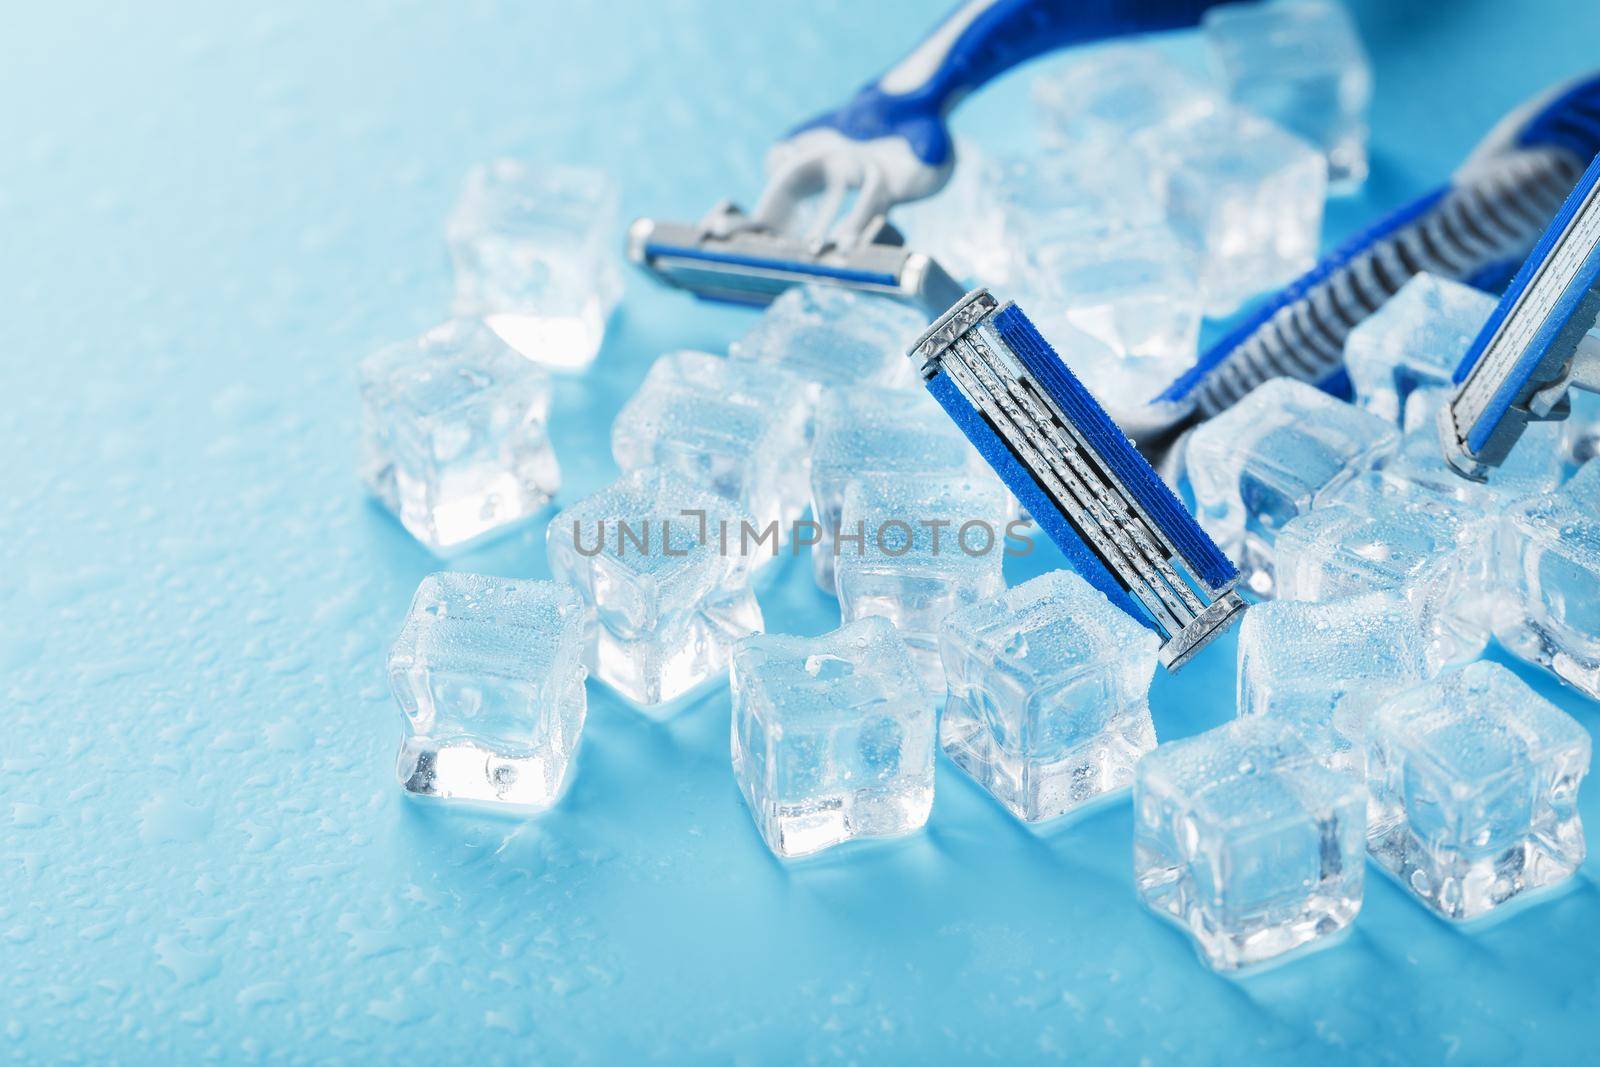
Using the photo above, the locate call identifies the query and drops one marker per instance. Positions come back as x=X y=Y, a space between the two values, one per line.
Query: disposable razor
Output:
x=1475 y=229
x=1537 y=344
x=1077 y=473
x=885 y=146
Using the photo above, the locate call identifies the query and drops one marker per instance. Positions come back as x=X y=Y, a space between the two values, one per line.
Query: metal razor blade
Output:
x=1536 y=346
x=1077 y=473
x=725 y=257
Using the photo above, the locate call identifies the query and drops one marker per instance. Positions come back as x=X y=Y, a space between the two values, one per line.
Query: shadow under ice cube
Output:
x=489 y=675
x=658 y=563
x=455 y=437
x=1245 y=840
x=1474 y=782
x=832 y=737
x=1048 y=704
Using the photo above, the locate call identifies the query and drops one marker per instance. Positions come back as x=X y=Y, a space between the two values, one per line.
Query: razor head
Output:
x=1535 y=346
x=1077 y=473
x=725 y=257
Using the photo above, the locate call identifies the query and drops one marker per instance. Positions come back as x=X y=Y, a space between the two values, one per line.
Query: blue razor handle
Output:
x=1536 y=345
x=977 y=42
x=1475 y=229
x=1077 y=473
x=886 y=145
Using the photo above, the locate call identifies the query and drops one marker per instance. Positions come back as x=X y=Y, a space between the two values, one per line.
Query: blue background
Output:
x=208 y=215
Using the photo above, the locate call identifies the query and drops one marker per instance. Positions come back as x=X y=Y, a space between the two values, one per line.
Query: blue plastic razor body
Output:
x=1077 y=473
x=1536 y=345
x=1474 y=230
x=889 y=144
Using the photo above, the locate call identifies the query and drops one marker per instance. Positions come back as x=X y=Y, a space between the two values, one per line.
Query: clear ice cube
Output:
x=956 y=226
x=1536 y=465
x=1122 y=308
x=915 y=549
x=534 y=252
x=832 y=336
x=455 y=438
x=1276 y=454
x=1474 y=782
x=1050 y=200
x=879 y=434
x=1049 y=686
x=489 y=675
x=1414 y=341
x=1299 y=63
x=1549 y=567
x=1324 y=667
x=1378 y=535
x=832 y=737
x=661 y=565
x=1580 y=432
x=734 y=427
x=1244 y=192
x=1246 y=841
x=1102 y=96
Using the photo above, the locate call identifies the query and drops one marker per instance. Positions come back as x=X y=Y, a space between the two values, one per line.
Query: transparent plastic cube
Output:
x=832 y=737
x=1299 y=63
x=1049 y=686
x=1247 y=842
x=535 y=258
x=456 y=445
x=734 y=427
x=1474 y=782
x=660 y=567
x=1278 y=453
x=1324 y=667
x=489 y=675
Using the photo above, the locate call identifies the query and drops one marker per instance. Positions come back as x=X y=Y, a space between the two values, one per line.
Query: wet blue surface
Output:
x=209 y=215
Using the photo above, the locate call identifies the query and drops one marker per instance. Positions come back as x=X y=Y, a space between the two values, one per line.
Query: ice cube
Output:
x=1414 y=341
x=1580 y=433
x=1104 y=95
x=1122 y=308
x=1474 y=782
x=1299 y=63
x=1050 y=200
x=869 y=433
x=489 y=675
x=1049 y=688
x=662 y=566
x=1245 y=840
x=832 y=737
x=1549 y=565
x=535 y=258
x=735 y=427
x=832 y=336
x=1244 y=192
x=1377 y=535
x=1274 y=455
x=455 y=441
x=956 y=226
x=1534 y=466
x=914 y=549
x=1324 y=667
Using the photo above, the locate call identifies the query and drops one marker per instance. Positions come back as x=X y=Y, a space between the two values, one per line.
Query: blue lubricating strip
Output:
x=1516 y=379
x=1570 y=121
x=790 y=266
x=1296 y=291
x=992 y=447
x=1114 y=448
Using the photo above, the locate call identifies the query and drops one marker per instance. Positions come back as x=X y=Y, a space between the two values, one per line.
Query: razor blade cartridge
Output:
x=1536 y=345
x=1077 y=473
x=726 y=258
